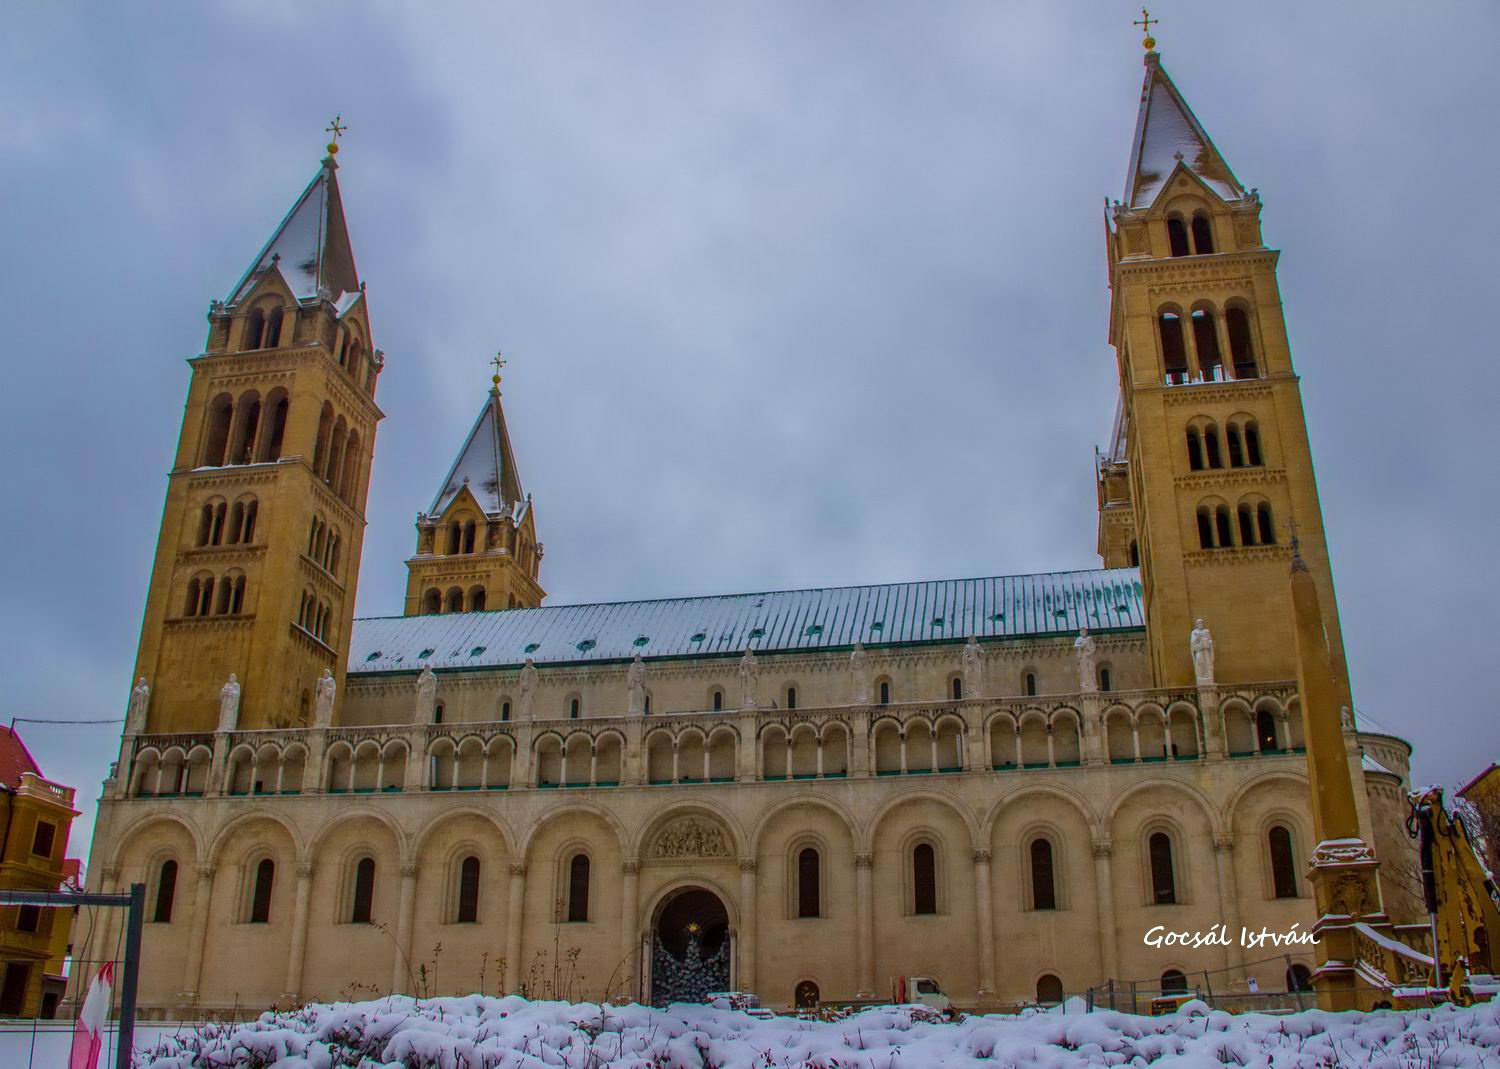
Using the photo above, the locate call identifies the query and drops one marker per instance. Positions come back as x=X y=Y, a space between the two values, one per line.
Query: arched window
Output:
x=220 y=414
x=791 y=697
x=1206 y=342
x=260 y=895
x=1135 y=554
x=1043 y=885
x=271 y=444
x=1177 y=238
x=1211 y=454
x=166 y=891
x=206 y=599
x=574 y=709
x=437 y=713
x=1241 y=352
x=455 y=601
x=432 y=602
x=1205 y=528
x=1247 y=525
x=477 y=599
x=1283 y=866
x=504 y=711
x=1223 y=528
x=455 y=538
x=1173 y=982
x=1173 y=348
x=885 y=692
x=924 y=879
x=1203 y=234
x=469 y=537
x=252 y=513
x=1252 y=444
x=468 y=891
x=1195 y=449
x=1236 y=449
x=247 y=422
x=578 y=888
x=1104 y=677
x=255 y=329
x=1266 y=525
x=808 y=876
x=1265 y=730
x=957 y=688
x=806 y=995
x=364 y=891
x=237 y=596
x=1049 y=990
x=717 y=699
x=193 y=594
x=1030 y=684
x=1163 y=879
x=273 y=329
x=1298 y=978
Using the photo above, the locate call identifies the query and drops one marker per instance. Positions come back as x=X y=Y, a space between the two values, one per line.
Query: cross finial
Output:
x=498 y=362
x=1145 y=22
x=1297 y=562
x=337 y=130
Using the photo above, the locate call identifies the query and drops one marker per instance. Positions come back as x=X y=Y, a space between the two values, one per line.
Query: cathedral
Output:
x=997 y=784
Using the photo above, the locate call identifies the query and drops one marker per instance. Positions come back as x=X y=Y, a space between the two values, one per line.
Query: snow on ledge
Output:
x=511 y=1033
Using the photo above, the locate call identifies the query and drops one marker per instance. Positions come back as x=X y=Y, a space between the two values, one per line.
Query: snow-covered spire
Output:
x=311 y=246
x=485 y=465
x=1167 y=134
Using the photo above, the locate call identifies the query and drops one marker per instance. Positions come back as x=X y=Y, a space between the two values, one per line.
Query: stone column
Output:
x=1212 y=722
x=416 y=761
x=1095 y=750
x=860 y=760
x=1104 y=895
x=1229 y=898
x=297 y=952
x=515 y=970
x=629 y=927
x=749 y=746
x=312 y=772
x=202 y=899
x=985 y=907
x=401 y=973
x=631 y=759
x=746 y=978
x=864 y=911
x=217 y=765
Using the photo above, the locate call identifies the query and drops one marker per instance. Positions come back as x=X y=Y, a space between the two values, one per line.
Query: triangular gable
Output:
x=1167 y=133
x=310 y=247
x=485 y=465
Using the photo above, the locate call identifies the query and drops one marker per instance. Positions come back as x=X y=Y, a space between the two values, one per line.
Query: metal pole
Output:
x=128 y=982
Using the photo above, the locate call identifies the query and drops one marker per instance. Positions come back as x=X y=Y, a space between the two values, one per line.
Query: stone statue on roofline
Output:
x=325 y=690
x=528 y=690
x=140 y=704
x=747 y=679
x=1202 y=645
x=426 y=695
x=635 y=682
x=229 y=704
x=859 y=672
x=973 y=669
x=1084 y=650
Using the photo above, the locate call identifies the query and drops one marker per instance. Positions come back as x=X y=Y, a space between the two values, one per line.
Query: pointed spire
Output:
x=485 y=465
x=1168 y=133
x=311 y=246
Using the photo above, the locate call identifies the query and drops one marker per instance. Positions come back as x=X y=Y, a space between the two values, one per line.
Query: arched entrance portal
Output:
x=690 y=953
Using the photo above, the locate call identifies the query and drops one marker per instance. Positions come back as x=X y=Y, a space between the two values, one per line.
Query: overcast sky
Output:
x=795 y=293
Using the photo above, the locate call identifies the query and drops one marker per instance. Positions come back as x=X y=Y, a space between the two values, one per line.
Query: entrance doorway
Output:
x=689 y=947
x=806 y=995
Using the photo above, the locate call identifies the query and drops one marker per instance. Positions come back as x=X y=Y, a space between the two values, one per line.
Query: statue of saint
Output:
x=973 y=669
x=1083 y=649
x=635 y=682
x=1202 y=645
x=323 y=705
x=859 y=672
x=747 y=679
x=426 y=695
x=528 y=689
x=135 y=712
x=229 y=704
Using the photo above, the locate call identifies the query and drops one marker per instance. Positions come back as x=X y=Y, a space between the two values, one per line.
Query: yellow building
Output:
x=33 y=845
x=1000 y=783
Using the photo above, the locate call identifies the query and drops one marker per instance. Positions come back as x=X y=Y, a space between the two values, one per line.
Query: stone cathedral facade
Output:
x=999 y=783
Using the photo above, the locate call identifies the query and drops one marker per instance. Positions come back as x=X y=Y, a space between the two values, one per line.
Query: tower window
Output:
x=1177 y=238
x=1043 y=887
x=1241 y=352
x=1206 y=341
x=468 y=891
x=1283 y=867
x=1222 y=527
x=1236 y=449
x=574 y=709
x=166 y=892
x=1195 y=449
x=1252 y=444
x=885 y=692
x=1266 y=524
x=455 y=538
x=1173 y=348
x=1030 y=682
x=219 y=416
x=1247 y=526
x=808 y=904
x=432 y=602
x=958 y=689
x=255 y=327
x=273 y=329
x=1203 y=234
x=469 y=529
x=791 y=697
x=1135 y=554
x=260 y=895
x=1211 y=447
x=1205 y=529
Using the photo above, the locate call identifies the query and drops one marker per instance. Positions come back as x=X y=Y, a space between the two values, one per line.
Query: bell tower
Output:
x=260 y=540
x=1209 y=470
x=477 y=548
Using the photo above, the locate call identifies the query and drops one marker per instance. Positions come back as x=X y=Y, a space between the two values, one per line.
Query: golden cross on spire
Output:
x=1145 y=22
x=337 y=130
x=499 y=362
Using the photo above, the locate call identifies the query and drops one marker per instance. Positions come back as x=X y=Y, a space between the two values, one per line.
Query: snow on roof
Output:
x=1369 y=764
x=485 y=464
x=1168 y=133
x=311 y=246
x=1055 y=603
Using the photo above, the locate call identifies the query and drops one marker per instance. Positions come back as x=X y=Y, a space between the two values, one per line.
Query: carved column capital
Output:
x=982 y=857
x=630 y=868
x=1103 y=848
x=518 y=868
x=110 y=873
x=1223 y=843
x=409 y=870
x=747 y=864
x=206 y=872
x=864 y=860
x=305 y=870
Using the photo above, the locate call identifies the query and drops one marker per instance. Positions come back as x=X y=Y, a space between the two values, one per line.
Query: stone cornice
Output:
x=1237 y=555
x=244 y=551
x=1211 y=478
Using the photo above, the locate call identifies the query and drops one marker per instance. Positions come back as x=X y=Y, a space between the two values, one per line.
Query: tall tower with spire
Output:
x=260 y=540
x=477 y=548
x=1210 y=468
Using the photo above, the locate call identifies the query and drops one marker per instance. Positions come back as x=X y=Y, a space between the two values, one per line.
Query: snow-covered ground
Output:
x=470 y=1033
